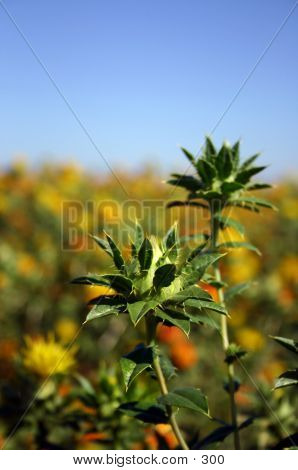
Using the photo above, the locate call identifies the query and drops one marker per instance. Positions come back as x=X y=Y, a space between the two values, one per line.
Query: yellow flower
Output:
x=70 y=175
x=229 y=234
x=19 y=164
x=289 y=208
x=242 y=265
x=66 y=329
x=4 y=203
x=45 y=356
x=3 y=280
x=26 y=264
x=238 y=317
x=250 y=339
x=272 y=370
x=89 y=446
x=95 y=291
x=49 y=198
x=110 y=213
x=288 y=269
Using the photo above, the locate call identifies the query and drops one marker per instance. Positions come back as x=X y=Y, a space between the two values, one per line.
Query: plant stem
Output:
x=164 y=391
x=224 y=331
x=231 y=374
x=164 y=388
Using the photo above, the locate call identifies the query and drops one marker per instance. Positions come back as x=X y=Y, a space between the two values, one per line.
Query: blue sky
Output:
x=145 y=77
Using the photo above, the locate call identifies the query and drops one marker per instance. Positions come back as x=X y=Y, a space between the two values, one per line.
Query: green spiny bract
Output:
x=221 y=176
x=155 y=281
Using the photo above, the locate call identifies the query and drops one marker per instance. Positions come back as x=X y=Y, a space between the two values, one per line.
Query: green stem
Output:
x=231 y=374
x=164 y=391
x=225 y=334
x=164 y=388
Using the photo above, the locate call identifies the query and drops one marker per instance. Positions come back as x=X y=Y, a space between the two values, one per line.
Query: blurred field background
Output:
x=41 y=314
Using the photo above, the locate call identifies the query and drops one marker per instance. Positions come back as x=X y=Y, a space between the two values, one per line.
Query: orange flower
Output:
x=78 y=405
x=80 y=243
x=64 y=390
x=151 y=441
x=210 y=289
x=244 y=396
x=287 y=297
x=8 y=349
x=169 y=334
x=93 y=436
x=137 y=446
x=161 y=431
x=165 y=431
x=183 y=354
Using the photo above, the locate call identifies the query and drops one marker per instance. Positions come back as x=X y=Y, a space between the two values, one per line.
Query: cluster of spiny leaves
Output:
x=221 y=176
x=157 y=280
x=157 y=283
x=290 y=377
x=221 y=181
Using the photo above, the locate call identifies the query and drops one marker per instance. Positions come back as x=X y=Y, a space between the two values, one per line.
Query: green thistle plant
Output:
x=221 y=180
x=158 y=283
x=221 y=177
